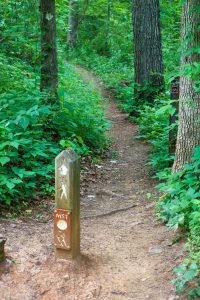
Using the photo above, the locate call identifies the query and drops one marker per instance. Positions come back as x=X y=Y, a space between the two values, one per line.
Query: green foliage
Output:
x=19 y=29
x=154 y=126
x=170 y=27
x=84 y=110
x=180 y=208
x=32 y=133
x=116 y=74
x=181 y=201
x=184 y=275
x=113 y=71
x=105 y=44
x=26 y=154
x=106 y=35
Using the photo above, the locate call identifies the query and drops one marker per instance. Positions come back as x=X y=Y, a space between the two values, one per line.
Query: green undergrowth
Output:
x=33 y=133
x=114 y=71
x=179 y=207
x=154 y=126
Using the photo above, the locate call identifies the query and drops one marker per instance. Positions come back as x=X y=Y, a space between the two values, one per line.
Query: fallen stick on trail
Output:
x=112 y=212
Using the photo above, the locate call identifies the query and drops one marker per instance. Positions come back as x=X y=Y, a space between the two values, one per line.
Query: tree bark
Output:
x=189 y=107
x=49 y=65
x=148 y=62
x=73 y=22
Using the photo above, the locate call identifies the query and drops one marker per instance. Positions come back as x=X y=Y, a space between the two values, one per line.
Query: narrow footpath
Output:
x=126 y=252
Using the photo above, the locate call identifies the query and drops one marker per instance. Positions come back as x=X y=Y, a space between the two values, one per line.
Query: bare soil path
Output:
x=126 y=253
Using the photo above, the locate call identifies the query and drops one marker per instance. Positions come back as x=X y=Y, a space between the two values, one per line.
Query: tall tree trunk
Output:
x=189 y=109
x=49 y=65
x=73 y=22
x=148 y=62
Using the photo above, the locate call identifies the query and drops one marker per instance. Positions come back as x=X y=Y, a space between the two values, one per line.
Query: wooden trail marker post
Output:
x=67 y=200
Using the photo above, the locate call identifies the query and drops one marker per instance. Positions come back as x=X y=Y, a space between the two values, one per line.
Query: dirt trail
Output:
x=126 y=253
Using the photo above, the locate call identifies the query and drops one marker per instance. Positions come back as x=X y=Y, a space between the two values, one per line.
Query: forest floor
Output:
x=126 y=252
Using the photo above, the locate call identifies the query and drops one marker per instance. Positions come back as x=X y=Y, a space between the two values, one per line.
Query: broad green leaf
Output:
x=4 y=160
x=10 y=185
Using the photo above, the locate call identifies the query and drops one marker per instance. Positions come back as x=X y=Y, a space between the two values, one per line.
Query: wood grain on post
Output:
x=67 y=200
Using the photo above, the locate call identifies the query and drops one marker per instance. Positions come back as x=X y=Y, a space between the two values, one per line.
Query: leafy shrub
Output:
x=154 y=126
x=180 y=208
x=32 y=133
x=26 y=156
x=84 y=110
x=186 y=274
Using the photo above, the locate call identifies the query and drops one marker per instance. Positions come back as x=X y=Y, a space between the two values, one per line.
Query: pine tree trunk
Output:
x=148 y=62
x=49 y=65
x=73 y=22
x=189 y=109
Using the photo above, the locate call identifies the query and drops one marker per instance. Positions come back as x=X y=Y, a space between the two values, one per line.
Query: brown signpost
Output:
x=175 y=88
x=67 y=211
x=173 y=119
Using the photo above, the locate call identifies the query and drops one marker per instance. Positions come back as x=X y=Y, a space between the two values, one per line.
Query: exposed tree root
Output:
x=112 y=212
